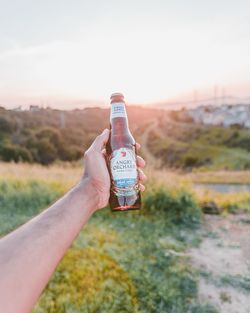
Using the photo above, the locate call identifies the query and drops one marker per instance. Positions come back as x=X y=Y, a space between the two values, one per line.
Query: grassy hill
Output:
x=48 y=135
x=188 y=146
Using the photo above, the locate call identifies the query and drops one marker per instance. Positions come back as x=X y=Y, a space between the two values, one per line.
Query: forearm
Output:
x=29 y=255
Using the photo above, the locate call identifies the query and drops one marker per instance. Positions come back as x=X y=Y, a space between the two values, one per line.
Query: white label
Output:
x=118 y=110
x=123 y=168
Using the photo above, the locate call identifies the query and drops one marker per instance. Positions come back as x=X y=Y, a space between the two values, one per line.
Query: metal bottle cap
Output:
x=117 y=97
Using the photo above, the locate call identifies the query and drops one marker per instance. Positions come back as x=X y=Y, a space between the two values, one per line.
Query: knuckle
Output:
x=87 y=154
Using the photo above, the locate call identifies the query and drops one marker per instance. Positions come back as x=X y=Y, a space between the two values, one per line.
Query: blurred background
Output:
x=184 y=69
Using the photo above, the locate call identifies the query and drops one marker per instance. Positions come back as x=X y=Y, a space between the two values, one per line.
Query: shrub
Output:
x=15 y=153
x=6 y=124
x=46 y=152
x=178 y=206
x=190 y=161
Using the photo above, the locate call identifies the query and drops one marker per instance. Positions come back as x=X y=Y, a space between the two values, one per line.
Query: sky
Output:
x=75 y=52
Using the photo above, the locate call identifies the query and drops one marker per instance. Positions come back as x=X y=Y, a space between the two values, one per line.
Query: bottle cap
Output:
x=117 y=97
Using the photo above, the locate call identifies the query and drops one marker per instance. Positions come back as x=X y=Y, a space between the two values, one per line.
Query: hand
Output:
x=96 y=168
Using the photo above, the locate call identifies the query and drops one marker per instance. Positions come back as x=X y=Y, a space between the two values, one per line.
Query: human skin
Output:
x=29 y=255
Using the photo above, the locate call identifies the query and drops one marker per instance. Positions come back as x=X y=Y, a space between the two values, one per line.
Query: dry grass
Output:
x=229 y=201
x=69 y=172
x=65 y=173
x=226 y=177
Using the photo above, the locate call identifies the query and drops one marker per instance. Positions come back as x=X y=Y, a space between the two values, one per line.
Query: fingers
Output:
x=100 y=140
x=137 y=146
x=140 y=161
x=142 y=187
x=142 y=176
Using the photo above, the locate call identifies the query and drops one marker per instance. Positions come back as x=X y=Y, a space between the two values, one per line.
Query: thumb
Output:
x=101 y=140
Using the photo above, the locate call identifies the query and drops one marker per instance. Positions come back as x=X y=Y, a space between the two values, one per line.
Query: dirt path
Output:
x=150 y=158
x=223 y=259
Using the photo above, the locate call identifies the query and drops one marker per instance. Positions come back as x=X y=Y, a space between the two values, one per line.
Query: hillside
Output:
x=47 y=135
x=188 y=145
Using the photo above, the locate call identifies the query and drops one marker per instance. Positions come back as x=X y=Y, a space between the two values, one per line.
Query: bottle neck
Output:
x=118 y=117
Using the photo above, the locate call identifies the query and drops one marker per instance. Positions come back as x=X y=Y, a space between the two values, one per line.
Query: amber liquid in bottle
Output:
x=121 y=151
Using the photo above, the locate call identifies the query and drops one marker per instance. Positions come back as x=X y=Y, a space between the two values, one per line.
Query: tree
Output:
x=46 y=152
x=15 y=153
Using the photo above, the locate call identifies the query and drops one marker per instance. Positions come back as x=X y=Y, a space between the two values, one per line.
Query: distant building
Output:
x=18 y=109
x=226 y=115
x=34 y=108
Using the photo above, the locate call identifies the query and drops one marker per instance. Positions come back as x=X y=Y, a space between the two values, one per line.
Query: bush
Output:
x=195 y=161
x=190 y=161
x=15 y=153
x=6 y=124
x=70 y=153
x=178 y=206
x=46 y=152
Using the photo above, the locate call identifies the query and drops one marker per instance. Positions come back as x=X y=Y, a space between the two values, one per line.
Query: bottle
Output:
x=121 y=156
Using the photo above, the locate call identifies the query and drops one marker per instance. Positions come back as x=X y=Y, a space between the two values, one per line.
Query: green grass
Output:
x=123 y=262
x=20 y=200
x=184 y=145
x=236 y=281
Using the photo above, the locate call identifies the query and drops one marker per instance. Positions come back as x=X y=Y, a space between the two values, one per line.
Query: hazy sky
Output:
x=150 y=50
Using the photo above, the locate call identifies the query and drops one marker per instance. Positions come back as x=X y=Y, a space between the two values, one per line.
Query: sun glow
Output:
x=149 y=61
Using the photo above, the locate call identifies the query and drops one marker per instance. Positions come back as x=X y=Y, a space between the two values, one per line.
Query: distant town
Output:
x=226 y=115
x=223 y=115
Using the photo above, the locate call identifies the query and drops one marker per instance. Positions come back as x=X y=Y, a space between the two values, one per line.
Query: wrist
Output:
x=88 y=194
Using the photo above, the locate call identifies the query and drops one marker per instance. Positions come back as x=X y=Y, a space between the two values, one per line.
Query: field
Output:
x=110 y=266
x=167 y=258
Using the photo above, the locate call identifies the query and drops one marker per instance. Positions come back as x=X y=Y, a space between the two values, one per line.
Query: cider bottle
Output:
x=121 y=155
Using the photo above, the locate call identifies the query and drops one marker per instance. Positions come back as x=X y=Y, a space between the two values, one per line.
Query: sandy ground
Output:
x=224 y=252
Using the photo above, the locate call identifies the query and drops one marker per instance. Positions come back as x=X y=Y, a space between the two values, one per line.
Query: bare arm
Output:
x=30 y=254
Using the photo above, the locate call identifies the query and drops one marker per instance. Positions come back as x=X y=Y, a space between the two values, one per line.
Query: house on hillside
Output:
x=226 y=115
x=34 y=108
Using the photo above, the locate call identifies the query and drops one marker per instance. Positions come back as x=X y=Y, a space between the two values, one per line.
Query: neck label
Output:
x=118 y=110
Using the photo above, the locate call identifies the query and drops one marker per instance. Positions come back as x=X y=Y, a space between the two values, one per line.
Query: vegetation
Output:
x=111 y=267
x=132 y=261
x=187 y=146
x=47 y=135
x=231 y=202
x=236 y=281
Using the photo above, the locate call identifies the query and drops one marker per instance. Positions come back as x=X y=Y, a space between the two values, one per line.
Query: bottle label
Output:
x=124 y=171
x=118 y=110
